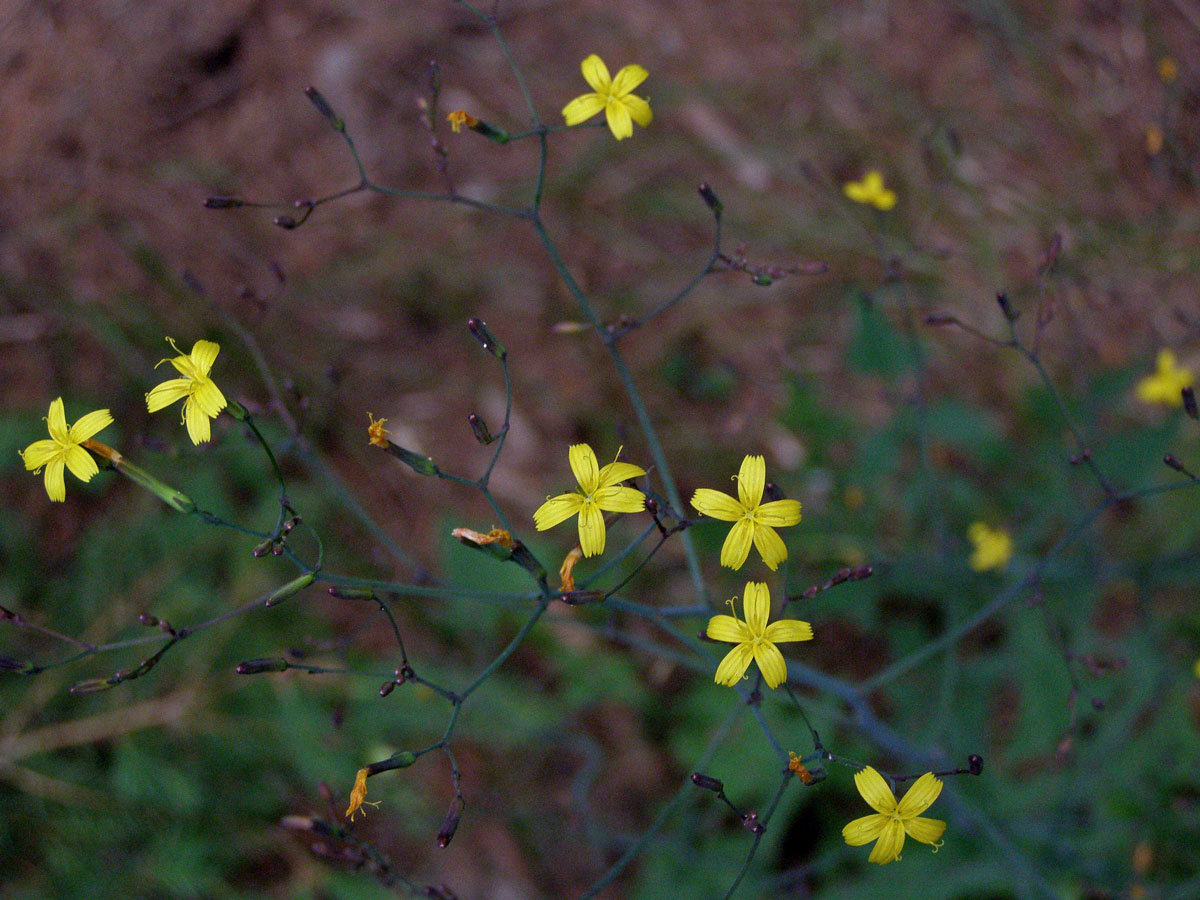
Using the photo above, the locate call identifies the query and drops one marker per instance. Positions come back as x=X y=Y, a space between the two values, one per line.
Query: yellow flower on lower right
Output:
x=893 y=820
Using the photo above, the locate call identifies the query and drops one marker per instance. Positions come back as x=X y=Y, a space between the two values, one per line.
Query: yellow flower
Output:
x=1166 y=384
x=63 y=450
x=358 y=795
x=376 y=433
x=566 y=572
x=459 y=118
x=612 y=95
x=893 y=820
x=600 y=490
x=754 y=520
x=755 y=639
x=202 y=400
x=993 y=547
x=871 y=191
x=1168 y=69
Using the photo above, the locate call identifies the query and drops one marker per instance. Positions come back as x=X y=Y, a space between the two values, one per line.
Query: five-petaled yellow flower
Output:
x=755 y=639
x=599 y=489
x=63 y=450
x=754 y=520
x=993 y=547
x=1167 y=383
x=612 y=95
x=893 y=820
x=202 y=400
x=871 y=191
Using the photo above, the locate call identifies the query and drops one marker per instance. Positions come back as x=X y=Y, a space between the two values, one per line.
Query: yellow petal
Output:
x=582 y=108
x=864 y=830
x=639 y=109
x=80 y=462
x=583 y=463
x=627 y=79
x=197 y=422
x=779 y=513
x=875 y=791
x=39 y=453
x=927 y=831
x=756 y=606
x=620 y=123
x=595 y=73
x=885 y=200
x=920 y=796
x=890 y=843
x=718 y=505
x=752 y=477
x=556 y=509
x=185 y=367
x=770 y=546
x=56 y=420
x=89 y=425
x=616 y=472
x=204 y=354
x=208 y=397
x=737 y=544
x=620 y=499
x=873 y=182
x=591 y=529
x=56 y=485
x=727 y=628
x=856 y=191
x=771 y=664
x=168 y=392
x=734 y=665
x=788 y=630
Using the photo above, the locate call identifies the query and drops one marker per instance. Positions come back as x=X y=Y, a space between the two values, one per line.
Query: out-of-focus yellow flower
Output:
x=993 y=547
x=1167 y=382
x=62 y=450
x=893 y=820
x=376 y=433
x=459 y=118
x=755 y=639
x=871 y=191
x=202 y=400
x=612 y=95
x=599 y=490
x=754 y=521
x=1154 y=140
x=1168 y=69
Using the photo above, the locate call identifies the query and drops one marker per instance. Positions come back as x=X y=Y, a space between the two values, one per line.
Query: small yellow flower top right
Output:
x=892 y=820
x=613 y=96
x=871 y=191
x=993 y=547
x=1167 y=383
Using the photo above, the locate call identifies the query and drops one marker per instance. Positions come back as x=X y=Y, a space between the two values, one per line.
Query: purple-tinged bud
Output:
x=479 y=429
x=450 y=825
x=751 y=823
x=323 y=107
x=487 y=340
x=386 y=688
x=148 y=620
x=707 y=782
x=975 y=763
x=1006 y=307
x=287 y=223
x=1171 y=461
x=258 y=666
x=223 y=203
x=709 y=196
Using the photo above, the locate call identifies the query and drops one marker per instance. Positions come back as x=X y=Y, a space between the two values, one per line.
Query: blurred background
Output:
x=1005 y=128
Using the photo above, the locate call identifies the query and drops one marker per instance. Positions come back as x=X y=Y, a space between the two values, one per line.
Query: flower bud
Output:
x=707 y=782
x=1189 y=403
x=450 y=825
x=258 y=666
x=975 y=763
x=323 y=107
x=709 y=196
x=487 y=340
x=223 y=203
x=479 y=429
x=422 y=465
x=291 y=589
x=1006 y=307
x=351 y=593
